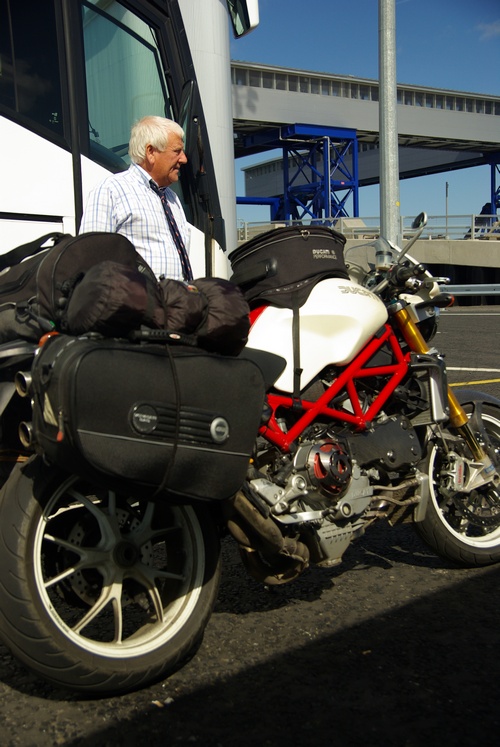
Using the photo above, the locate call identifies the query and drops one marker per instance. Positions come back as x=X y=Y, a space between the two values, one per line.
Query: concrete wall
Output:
x=466 y=253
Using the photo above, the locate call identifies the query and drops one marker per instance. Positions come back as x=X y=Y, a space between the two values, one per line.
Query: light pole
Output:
x=388 y=127
x=446 y=209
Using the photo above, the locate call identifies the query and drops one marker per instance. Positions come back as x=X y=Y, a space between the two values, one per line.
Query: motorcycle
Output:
x=106 y=590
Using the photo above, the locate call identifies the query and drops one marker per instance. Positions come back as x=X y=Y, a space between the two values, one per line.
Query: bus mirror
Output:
x=244 y=15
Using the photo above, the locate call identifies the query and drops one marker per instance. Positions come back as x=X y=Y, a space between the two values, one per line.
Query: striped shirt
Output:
x=125 y=203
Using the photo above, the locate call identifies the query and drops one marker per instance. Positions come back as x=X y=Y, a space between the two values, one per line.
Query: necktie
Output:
x=187 y=272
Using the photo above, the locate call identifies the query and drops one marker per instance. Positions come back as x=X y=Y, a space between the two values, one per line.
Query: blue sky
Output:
x=451 y=44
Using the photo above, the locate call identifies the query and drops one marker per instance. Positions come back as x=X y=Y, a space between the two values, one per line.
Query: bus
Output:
x=76 y=74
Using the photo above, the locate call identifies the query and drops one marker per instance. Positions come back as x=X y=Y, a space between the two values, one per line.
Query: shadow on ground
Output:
x=426 y=673
x=395 y=648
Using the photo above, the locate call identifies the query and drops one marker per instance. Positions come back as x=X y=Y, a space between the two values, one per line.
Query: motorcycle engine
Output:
x=310 y=504
x=334 y=471
x=321 y=476
x=327 y=465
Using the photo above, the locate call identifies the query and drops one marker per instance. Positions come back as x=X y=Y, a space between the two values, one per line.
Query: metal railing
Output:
x=451 y=227
x=478 y=289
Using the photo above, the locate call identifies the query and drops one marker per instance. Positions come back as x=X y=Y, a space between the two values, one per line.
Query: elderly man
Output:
x=139 y=203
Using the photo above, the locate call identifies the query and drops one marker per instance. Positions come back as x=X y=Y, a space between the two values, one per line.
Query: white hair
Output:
x=151 y=130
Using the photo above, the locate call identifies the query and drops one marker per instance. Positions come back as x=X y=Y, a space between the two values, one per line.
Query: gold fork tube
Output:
x=458 y=416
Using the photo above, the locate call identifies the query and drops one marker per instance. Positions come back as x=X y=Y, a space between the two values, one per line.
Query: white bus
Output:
x=75 y=75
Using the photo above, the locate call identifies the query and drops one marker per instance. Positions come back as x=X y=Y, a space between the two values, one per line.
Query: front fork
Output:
x=457 y=415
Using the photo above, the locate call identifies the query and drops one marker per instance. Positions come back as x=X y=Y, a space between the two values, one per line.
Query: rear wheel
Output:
x=465 y=526
x=101 y=592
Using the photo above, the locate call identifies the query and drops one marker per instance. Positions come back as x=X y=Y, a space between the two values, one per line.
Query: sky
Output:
x=452 y=44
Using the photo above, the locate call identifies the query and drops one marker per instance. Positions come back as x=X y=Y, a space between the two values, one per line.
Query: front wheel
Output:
x=464 y=527
x=101 y=592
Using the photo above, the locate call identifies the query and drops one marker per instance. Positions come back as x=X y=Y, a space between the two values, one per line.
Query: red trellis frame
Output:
x=346 y=381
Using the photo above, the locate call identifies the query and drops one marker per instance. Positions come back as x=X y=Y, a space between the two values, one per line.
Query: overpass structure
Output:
x=328 y=129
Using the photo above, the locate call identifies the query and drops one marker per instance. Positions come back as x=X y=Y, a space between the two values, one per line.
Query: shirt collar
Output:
x=142 y=174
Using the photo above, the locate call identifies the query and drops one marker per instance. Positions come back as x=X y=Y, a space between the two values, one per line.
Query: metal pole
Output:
x=446 y=232
x=388 y=129
x=327 y=177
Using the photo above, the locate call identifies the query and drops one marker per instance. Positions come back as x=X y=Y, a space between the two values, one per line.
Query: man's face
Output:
x=167 y=163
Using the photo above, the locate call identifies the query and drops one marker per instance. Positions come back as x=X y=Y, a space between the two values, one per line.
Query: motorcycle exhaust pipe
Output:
x=22 y=381
x=285 y=557
x=26 y=434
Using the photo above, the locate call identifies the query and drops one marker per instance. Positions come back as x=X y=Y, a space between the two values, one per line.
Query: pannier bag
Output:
x=37 y=282
x=171 y=419
x=285 y=261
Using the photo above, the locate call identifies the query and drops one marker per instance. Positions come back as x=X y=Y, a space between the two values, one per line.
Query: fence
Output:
x=452 y=227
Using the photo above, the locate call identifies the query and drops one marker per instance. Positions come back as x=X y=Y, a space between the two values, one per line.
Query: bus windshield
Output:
x=124 y=78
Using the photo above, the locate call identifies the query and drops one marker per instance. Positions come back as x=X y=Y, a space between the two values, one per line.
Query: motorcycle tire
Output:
x=465 y=527
x=100 y=592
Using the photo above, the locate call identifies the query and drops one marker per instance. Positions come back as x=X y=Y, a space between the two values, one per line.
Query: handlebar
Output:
x=398 y=276
x=442 y=301
x=401 y=273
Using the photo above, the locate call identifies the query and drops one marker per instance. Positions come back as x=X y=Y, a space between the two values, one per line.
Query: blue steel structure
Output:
x=320 y=171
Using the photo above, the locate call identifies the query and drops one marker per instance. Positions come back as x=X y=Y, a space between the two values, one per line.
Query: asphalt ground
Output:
x=469 y=338
x=393 y=648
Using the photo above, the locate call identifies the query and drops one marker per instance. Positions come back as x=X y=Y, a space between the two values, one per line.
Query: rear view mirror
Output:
x=420 y=221
x=244 y=16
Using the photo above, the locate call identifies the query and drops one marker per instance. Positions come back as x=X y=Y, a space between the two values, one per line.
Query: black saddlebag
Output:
x=167 y=418
x=278 y=263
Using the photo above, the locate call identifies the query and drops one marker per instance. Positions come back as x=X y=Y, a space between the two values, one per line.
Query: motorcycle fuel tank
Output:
x=336 y=321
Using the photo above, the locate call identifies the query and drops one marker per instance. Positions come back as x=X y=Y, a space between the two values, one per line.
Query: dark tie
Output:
x=187 y=272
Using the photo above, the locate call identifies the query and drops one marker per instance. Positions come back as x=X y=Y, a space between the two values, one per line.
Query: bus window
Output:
x=29 y=63
x=124 y=79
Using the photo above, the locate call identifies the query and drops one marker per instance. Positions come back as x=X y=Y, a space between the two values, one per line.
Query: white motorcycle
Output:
x=106 y=586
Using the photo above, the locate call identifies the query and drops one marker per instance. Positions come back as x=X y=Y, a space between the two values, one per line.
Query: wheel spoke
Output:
x=60 y=577
x=144 y=532
x=109 y=594
x=146 y=575
x=89 y=558
x=146 y=578
x=108 y=522
x=89 y=555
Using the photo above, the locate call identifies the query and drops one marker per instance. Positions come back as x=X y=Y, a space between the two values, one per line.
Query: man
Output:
x=138 y=202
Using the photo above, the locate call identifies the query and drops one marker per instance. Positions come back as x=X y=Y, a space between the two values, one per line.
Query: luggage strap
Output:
x=162 y=335
x=297 y=370
x=166 y=477
x=15 y=256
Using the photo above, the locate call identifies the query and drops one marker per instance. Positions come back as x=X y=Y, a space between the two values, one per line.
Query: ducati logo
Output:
x=356 y=290
x=324 y=254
